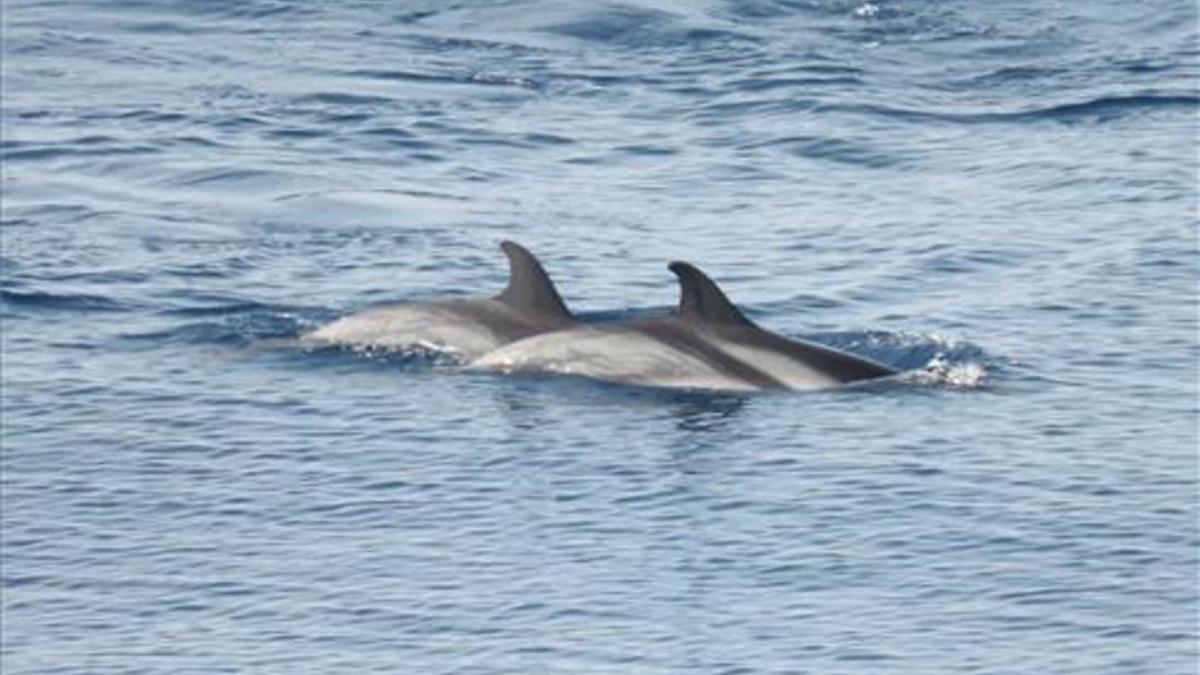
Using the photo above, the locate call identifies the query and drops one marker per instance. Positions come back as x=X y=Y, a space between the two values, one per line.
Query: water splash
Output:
x=941 y=371
x=866 y=11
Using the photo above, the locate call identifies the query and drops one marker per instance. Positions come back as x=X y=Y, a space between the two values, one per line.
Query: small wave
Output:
x=341 y=98
x=415 y=16
x=390 y=133
x=294 y=134
x=160 y=28
x=195 y=142
x=86 y=146
x=548 y=139
x=1099 y=110
x=232 y=325
x=146 y=115
x=398 y=138
x=1022 y=75
x=644 y=28
x=55 y=41
x=227 y=9
x=76 y=302
x=193 y=334
x=838 y=150
x=223 y=309
x=646 y=150
x=222 y=175
x=1105 y=108
x=482 y=79
x=762 y=84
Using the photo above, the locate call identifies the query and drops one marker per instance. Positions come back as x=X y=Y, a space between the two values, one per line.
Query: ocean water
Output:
x=999 y=197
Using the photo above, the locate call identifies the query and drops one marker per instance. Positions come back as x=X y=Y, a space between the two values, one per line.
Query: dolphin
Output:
x=707 y=344
x=466 y=328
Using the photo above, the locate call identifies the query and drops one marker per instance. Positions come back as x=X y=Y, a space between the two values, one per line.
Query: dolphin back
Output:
x=529 y=287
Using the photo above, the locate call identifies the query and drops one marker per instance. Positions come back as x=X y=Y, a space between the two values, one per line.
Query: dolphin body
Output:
x=467 y=328
x=706 y=344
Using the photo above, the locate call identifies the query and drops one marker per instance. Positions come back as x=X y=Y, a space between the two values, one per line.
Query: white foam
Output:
x=939 y=371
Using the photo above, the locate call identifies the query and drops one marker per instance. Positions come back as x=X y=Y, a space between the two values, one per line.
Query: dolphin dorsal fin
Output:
x=529 y=287
x=701 y=300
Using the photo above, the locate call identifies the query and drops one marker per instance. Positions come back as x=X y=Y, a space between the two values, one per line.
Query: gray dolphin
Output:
x=706 y=344
x=467 y=328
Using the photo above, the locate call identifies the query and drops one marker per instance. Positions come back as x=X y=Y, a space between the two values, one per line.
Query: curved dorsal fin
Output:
x=529 y=287
x=701 y=300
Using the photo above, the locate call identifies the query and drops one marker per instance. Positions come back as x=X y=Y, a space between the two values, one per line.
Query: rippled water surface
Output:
x=999 y=197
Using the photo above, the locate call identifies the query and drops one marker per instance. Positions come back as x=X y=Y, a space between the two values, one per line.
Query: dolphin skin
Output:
x=706 y=344
x=467 y=328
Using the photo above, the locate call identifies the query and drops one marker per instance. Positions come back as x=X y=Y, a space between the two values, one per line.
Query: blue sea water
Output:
x=998 y=196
